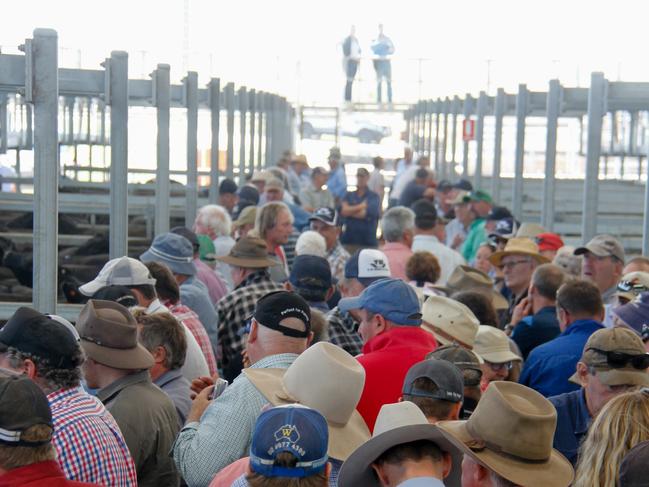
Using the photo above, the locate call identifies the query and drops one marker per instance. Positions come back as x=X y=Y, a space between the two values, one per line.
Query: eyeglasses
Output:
x=626 y=286
x=512 y=263
x=619 y=360
x=498 y=367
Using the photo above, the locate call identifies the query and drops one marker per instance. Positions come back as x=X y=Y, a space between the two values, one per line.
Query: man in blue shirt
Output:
x=541 y=324
x=337 y=182
x=549 y=366
x=360 y=210
x=601 y=381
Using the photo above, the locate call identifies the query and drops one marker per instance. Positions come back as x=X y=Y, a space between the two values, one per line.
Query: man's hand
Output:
x=457 y=241
x=200 y=383
x=199 y=405
x=521 y=310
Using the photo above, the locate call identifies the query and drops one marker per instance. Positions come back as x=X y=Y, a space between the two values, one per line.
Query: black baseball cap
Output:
x=444 y=185
x=249 y=193
x=446 y=376
x=189 y=235
x=499 y=213
x=32 y=332
x=464 y=185
x=228 y=186
x=425 y=214
x=277 y=306
x=310 y=272
x=22 y=405
x=325 y=215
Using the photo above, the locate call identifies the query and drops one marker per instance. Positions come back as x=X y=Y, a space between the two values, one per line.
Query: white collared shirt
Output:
x=448 y=258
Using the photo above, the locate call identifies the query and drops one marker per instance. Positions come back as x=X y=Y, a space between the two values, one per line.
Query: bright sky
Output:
x=293 y=47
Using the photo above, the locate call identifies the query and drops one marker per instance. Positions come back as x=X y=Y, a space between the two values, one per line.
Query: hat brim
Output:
x=592 y=250
x=343 y=438
x=183 y=268
x=358 y=471
x=348 y=304
x=497 y=299
x=618 y=377
x=248 y=263
x=331 y=224
x=556 y=471
x=90 y=288
x=497 y=257
x=500 y=357
x=128 y=358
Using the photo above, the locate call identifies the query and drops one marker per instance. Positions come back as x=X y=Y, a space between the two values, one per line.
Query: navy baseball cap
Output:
x=499 y=213
x=249 y=193
x=325 y=215
x=464 y=185
x=310 y=272
x=391 y=298
x=367 y=265
x=228 y=186
x=294 y=429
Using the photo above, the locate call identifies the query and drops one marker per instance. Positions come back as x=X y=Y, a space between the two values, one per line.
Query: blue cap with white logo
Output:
x=294 y=429
x=391 y=298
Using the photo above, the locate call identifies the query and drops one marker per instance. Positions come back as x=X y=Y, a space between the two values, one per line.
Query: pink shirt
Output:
x=398 y=255
x=215 y=286
x=231 y=473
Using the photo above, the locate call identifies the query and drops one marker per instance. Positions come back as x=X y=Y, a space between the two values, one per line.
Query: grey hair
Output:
x=311 y=243
x=216 y=218
x=396 y=222
x=267 y=216
x=50 y=378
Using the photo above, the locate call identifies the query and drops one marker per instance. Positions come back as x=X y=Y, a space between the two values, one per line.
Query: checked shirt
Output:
x=337 y=259
x=89 y=444
x=235 y=308
x=343 y=332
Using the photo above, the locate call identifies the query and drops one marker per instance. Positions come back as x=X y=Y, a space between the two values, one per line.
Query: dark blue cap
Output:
x=464 y=185
x=227 y=186
x=391 y=298
x=294 y=429
x=499 y=213
x=310 y=272
x=249 y=193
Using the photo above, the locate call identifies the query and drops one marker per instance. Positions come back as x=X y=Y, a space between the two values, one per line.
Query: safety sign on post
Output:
x=468 y=129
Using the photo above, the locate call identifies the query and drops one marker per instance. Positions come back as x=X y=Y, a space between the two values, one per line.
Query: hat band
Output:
x=12 y=438
x=447 y=336
x=477 y=444
x=173 y=258
x=245 y=255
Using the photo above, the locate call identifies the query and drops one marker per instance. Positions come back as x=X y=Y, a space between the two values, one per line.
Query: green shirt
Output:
x=475 y=237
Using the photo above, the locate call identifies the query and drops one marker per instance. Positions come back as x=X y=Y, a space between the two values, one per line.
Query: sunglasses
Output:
x=626 y=286
x=499 y=367
x=619 y=360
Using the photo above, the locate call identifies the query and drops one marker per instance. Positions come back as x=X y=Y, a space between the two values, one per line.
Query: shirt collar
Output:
x=395 y=246
x=581 y=325
x=106 y=393
x=257 y=276
x=431 y=238
x=280 y=360
x=167 y=377
x=156 y=307
x=583 y=417
x=62 y=394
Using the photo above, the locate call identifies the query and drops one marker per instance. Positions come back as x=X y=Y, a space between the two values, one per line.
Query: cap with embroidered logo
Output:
x=275 y=307
x=367 y=265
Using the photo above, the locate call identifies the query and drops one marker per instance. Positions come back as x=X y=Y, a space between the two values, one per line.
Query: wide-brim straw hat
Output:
x=511 y=433
x=518 y=246
x=250 y=253
x=396 y=424
x=325 y=378
x=466 y=278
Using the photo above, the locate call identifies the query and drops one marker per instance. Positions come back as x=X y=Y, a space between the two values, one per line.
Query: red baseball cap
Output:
x=549 y=241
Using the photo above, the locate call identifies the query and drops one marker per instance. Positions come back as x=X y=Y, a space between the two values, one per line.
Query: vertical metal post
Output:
x=242 y=95
x=446 y=105
x=437 y=104
x=428 y=117
x=406 y=116
x=3 y=123
x=252 y=107
x=191 y=188
x=645 y=222
x=261 y=109
x=117 y=98
x=499 y=112
x=449 y=172
x=162 y=102
x=519 y=159
x=552 y=115
x=41 y=79
x=270 y=122
x=214 y=91
x=596 y=112
x=481 y=110
x=229 y=107
x=468 y=110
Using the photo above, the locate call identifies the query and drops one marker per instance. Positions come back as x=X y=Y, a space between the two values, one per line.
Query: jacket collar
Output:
x=112 y=390
x=40 y=471
x=579 y=326
x=401 y=336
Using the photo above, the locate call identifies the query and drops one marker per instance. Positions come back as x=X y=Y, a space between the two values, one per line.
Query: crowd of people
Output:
x=304 y=333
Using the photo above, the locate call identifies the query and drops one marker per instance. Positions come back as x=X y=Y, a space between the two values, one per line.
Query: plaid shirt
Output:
x=337 y=259
x=190 y=319
x=235 y=308
x=89 y=444
x=224 y=432
x=343 y=331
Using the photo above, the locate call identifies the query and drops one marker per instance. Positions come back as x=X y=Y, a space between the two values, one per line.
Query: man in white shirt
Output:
x=427 y=238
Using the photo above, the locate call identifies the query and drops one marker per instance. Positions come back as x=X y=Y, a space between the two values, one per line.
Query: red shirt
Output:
x=386 y=359
x=38 y=475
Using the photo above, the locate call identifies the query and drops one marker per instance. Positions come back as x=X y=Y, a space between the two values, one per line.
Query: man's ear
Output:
x=447 y=464
x=381 y=474
x=482 y=473
x=455 y=412
x=159 y=354
x=582 y=373
x=330 y=292
x=382 y=324
x=254 y=329
x=309 y=339
x=288 y=286
x=29 y=369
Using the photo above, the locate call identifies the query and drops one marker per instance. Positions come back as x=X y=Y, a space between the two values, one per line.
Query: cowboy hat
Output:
x=249 y=252
x=396 y=424
x=450 y=321
x=335 y=393
x=466 y=278
x=518 y=246
x=108 y=334
x=511 y=433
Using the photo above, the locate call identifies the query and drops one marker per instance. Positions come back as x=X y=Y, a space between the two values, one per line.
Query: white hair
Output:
x=311 y=243
x=396 y=222
x=215 y=218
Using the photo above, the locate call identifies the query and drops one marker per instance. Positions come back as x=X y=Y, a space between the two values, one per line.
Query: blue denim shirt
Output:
x=549 y=366
x=573 y=420
x=337 y=182
x=362 y=231
x=193 y=294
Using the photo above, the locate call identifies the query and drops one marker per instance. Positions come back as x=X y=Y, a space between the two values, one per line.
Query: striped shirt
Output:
x=89 y=444
x=190 y=319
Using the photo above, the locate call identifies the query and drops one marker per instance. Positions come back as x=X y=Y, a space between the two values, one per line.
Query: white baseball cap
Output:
x=367 y=265
x=124 y=271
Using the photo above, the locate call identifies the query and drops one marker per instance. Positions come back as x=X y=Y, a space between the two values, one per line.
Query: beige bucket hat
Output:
x=516 y=246
x=529 y=230
x=466 y=278
x=492 y=345
x=249 y=252
x=511 y=433
x=450 y=321
x=396 y=424
x=325 y=378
